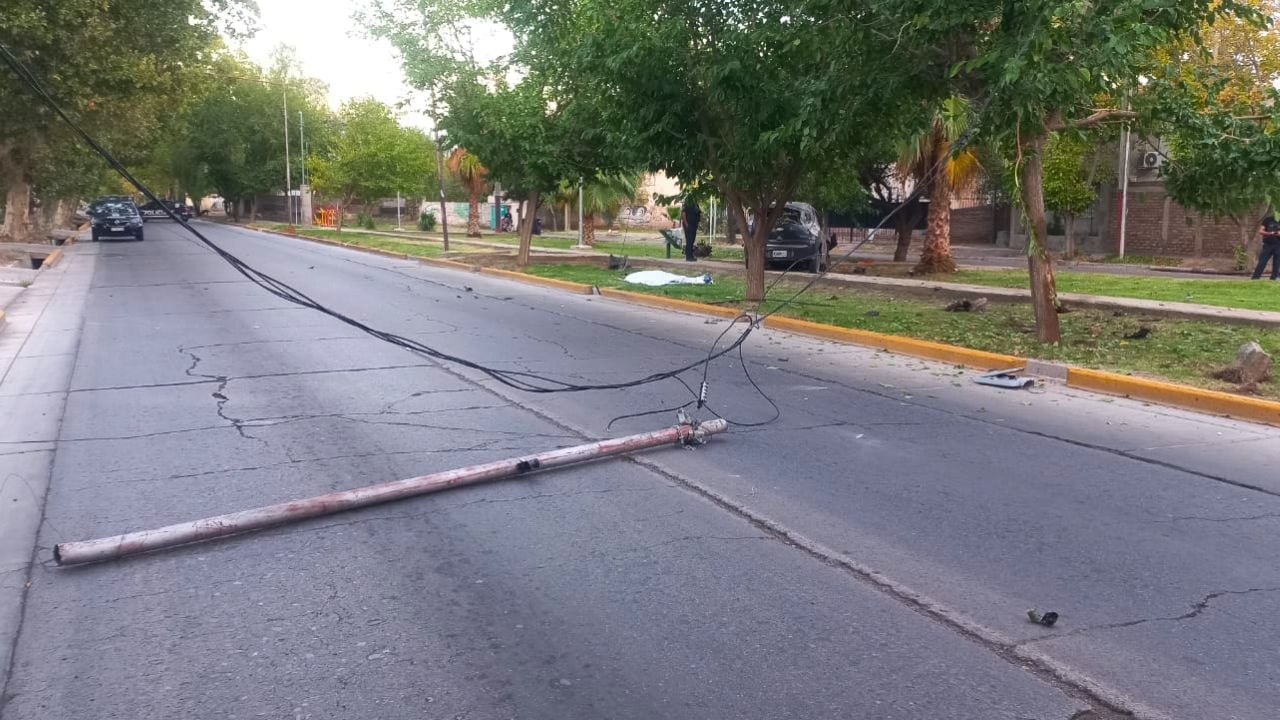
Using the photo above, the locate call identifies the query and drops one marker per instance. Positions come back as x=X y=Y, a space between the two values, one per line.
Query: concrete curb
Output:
x=666 y=303
x=904 y=345
x=1184 y=396
x=51 y=259
x=1164 y=393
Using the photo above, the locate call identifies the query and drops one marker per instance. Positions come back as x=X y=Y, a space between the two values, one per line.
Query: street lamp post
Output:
x=288 y=171
x=582 y=233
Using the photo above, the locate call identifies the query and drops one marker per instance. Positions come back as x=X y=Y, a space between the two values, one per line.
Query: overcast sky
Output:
x=331 y=48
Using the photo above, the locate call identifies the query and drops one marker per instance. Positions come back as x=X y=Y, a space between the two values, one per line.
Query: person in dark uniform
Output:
x=1270 y=248
x=690 y=216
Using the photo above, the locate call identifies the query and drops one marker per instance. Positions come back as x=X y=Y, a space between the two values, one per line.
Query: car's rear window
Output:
x=113 y=207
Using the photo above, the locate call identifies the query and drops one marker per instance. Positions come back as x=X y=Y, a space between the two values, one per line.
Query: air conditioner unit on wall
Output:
x=1149 y=160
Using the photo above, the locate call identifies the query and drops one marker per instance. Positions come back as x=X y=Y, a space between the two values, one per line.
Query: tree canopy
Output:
x=372 y=157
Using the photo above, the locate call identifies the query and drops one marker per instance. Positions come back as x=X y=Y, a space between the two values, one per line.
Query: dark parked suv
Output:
x=115 y=217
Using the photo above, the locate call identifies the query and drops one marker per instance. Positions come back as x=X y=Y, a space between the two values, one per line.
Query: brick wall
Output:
x=973 y=225
x=1159 y=226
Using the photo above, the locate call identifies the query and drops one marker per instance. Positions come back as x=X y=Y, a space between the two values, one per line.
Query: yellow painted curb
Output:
x=659 y=301
x=899 y=344
x=51 y=259
x=452 y=264
x=539 y=280
x=1165 y=393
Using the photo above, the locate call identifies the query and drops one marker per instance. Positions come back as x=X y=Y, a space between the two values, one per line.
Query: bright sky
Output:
x=333 y=49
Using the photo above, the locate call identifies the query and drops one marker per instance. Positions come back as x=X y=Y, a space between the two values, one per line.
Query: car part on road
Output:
x=1005 y=379
x=119 y=546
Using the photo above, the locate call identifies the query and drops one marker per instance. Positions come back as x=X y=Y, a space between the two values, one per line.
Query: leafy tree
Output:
x=468 y=170
x=1071 y=168
x=119 y=91
x=1215 y=106
x=939 y=170
x=233 y=134
x=753 y=96
x=1042 y=67
x=372 y=157
x=528 y=143
x=604 y=194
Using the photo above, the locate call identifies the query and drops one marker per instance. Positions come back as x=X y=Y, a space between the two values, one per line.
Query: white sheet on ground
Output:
x=657 y=278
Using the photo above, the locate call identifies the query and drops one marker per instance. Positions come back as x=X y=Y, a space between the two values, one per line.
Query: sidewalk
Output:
x=933 y=289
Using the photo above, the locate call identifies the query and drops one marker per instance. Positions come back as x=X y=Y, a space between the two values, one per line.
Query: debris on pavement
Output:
x=967 y=305
x=1048 y=619
x=1005 y=379
x=658 y=278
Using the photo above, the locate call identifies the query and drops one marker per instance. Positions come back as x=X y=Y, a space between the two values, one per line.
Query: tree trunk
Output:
x=568 y=222
x=588 y=228
x=473 y=213
x=730 y=229
x=936 y=256
x=253 y=208
x=755 y=242
x=528 y=211
x=905 y=224
x=341 y=208
x=1071 y=235
x=1044 y=292
x=17 y=211
x=62 y=212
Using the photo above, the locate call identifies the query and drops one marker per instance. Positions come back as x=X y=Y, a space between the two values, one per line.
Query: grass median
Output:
x=417 y=248
x=1183 y=351
x=1242 y=294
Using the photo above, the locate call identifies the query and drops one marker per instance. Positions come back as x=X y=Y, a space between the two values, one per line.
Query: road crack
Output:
x=1198 y=608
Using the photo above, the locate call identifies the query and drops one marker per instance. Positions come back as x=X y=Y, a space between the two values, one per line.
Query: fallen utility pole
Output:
x=111 y=548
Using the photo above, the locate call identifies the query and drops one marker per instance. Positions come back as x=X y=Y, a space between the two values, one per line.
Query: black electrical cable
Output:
x=524 y=381
x=519 y=380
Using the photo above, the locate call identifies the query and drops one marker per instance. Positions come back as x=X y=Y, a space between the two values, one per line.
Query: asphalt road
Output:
x=871 y=554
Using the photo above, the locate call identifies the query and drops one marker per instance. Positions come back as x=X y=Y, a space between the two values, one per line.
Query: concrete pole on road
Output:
x=74 y=553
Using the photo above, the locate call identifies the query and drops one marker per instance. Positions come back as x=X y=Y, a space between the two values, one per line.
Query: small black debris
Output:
x=1140 y=334
x=219 y=396
x=872 y=313
x=1063 y=309
x=1048 y=619
x=967 y=305
x=1118 y=313
x=466 y=288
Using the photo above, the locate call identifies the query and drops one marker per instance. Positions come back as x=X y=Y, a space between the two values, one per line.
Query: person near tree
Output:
x=1270 y=248
x=690 y=216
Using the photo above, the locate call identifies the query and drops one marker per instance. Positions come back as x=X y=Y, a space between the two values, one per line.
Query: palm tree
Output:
x=604 y=194
x=471 y=173
x=929 y=161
